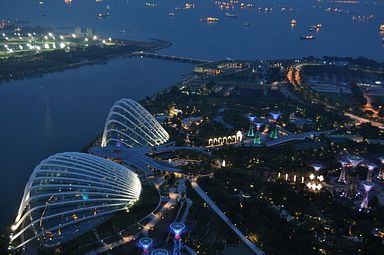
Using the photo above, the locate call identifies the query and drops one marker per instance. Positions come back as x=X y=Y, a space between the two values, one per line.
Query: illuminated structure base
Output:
x=369 y=176
x=380 y=176
x=342 y=178
x=251 y=131
x=257 y=139
x=364 y=203
x=274 y=133
x=367 y=187
x=177 y=247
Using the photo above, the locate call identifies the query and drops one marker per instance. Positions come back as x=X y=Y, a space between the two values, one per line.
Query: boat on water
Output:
x=210 y=20
x=293 y=22
x=308 y=37
x=231 y=15
x=103 y=14
x=171 y=14
x=382 y=28
x=315 y=27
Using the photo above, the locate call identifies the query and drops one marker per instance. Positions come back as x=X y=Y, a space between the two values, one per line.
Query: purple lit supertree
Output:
x=367 y=187
x=353 y=178
x=159 y=252
x=177 y=228
x=145 y=243
x=380 y=176
x=355 y=160
x=344 y=164
x=274 y=131
x=251 y=129
x=371 y=166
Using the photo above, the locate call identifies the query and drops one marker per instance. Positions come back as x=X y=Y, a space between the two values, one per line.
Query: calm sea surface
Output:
x=64 y=111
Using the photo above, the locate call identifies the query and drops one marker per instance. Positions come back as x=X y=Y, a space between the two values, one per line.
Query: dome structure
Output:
x=130 y=124
x=69 y=194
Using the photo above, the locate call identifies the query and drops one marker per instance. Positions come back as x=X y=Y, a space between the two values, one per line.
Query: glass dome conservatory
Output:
x=69 y=194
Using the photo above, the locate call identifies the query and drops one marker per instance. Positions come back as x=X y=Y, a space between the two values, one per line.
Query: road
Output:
x=364 y=120
x=220 y=213
x=295 y=78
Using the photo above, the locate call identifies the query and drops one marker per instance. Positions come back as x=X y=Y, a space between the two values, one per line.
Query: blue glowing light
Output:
x=177 y=228
x=145 y=243
x=275 y=115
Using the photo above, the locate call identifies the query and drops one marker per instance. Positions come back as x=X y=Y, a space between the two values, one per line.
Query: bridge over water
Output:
x=170 y=57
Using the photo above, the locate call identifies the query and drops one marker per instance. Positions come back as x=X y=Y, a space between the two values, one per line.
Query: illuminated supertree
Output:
x=353 y=178
x=251 y=129
x=159 y=252
x=344 y=164
x=355 y=160
x=177 y=228
x=380 y=176
x=371 y=166
x=145 y=243
x=367 y=187
x=257 y=139
x=274 y=131
x=317 y=167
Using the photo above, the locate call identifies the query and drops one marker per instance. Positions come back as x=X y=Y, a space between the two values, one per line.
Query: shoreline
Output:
x=128 y=47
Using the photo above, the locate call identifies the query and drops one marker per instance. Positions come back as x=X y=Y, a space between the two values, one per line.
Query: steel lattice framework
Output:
x=131 y=125
x=70 y=193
